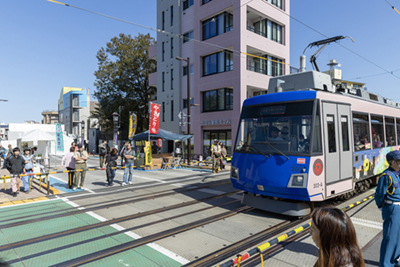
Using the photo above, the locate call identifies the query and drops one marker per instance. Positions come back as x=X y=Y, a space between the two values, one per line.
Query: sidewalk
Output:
x=36 y=193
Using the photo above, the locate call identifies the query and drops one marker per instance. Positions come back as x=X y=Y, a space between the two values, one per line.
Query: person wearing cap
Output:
x=275 y=134
x=215 y=154
x=15 y=165
x=129 y=156
x=28 y=159
x=387 y=198
x=80 y=156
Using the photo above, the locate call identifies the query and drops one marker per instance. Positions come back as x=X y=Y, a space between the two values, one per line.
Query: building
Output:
x=234 y=46
x=3 y=131
x=74 y=108
x=50 y=117
x=31 y=122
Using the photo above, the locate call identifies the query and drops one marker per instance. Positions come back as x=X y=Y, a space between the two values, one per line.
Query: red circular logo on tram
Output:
x=318 y=167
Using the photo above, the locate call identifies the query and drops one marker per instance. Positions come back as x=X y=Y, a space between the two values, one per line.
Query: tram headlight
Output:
x=234 y=173
x=298 y=180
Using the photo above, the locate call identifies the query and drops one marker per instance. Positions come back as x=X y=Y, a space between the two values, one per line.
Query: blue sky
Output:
x=45 y=46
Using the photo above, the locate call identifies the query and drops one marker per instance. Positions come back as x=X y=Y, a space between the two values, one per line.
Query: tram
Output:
x=308 y=140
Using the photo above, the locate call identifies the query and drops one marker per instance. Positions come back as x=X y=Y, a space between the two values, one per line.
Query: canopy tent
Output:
x=163 y=134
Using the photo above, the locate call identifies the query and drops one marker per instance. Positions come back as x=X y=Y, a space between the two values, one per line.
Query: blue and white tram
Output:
x=305 y=141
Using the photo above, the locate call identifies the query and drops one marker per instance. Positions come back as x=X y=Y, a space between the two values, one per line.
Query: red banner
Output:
x=154 y=118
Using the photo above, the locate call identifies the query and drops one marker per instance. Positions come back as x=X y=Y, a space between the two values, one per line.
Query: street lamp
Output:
x=83 y=132
x=189 y=103
x=115 y=119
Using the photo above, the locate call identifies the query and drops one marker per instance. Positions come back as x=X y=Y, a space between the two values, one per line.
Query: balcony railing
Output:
x=257 y=69
x=252 y=29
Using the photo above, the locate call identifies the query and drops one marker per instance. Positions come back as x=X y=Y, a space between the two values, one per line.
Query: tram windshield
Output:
x=278 y=128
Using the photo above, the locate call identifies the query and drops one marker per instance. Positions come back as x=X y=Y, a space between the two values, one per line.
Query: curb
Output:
x=16 y=202
x=44 y=185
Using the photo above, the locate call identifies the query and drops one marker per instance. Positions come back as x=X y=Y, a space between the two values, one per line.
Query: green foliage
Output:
x=122 y=80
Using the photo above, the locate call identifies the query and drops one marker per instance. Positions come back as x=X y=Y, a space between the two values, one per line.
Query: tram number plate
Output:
x=296 y=168
x=317 y=185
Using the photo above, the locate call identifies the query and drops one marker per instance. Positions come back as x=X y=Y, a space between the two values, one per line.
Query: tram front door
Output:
x=338 y=142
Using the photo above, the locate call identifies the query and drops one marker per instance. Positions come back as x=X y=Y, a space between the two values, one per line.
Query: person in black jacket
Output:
x=111 y=162
x=15 y=165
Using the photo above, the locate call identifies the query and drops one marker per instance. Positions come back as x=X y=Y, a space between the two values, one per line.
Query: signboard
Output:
x=132 y=124
x=59 y=138
x=147 y=152
x=159 y=142
x=154 y=118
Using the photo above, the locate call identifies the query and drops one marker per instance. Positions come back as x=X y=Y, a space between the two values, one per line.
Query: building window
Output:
x=163 y=51
x=172 y=47
x=266 y=64
x=172 y=15
x=163 y=20
x=188 y=36
x=218 y=62
x=187 y=4
x=277 y=3
x=206 y=1
x=185 y=69
x=163 y=111
x=172 y=110
x=268 y=29
x=172 y=79
x=216 y=100
x=217 y=25
x=163 y=81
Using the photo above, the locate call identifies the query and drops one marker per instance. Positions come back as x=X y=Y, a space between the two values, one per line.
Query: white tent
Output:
x=40 y=139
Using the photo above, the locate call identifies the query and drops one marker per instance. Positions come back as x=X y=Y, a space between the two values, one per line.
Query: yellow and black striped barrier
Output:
x=262 y=247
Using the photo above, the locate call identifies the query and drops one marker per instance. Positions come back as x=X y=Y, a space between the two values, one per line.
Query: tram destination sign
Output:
x=273 y=110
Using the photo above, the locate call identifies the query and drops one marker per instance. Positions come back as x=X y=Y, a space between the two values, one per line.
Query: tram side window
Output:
x=361 y=132
x=377 y=131
x=331 y=133
x=345 y=133
x=398 y=130
x=390 y=134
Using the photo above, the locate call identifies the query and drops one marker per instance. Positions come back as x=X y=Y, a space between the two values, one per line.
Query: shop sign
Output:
x=216 y=122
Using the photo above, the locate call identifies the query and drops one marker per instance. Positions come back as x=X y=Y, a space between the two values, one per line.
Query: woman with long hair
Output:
x=335 y=236
x=111 y=162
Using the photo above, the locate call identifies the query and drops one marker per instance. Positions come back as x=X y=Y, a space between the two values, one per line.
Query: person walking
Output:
x=111 y=165
x=9 y=154
x=387 y=198
x=102 y=152
x=80 y=157
x=15 y=165
x=223 y=155
x=129 y=156
x=28 y=159
x=69 y=162
x=215 y=154
x=335 y=236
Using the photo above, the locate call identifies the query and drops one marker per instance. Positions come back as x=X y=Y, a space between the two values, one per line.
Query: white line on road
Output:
x=368 y=223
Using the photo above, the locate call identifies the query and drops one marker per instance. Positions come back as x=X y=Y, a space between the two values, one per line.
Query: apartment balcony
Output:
x=153 y=79
x=153 y=52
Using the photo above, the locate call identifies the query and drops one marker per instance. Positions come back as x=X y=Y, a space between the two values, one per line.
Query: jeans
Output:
x=129 y=170
x=110 y=175
x=26 y=179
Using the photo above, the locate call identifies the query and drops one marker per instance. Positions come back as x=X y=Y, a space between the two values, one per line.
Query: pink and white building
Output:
x=234 y=46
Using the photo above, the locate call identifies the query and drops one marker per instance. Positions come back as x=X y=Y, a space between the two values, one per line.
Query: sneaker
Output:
x=123 y=184
x=130 y=182
x=26 y=192
x=14 y=194
x=74 y=188
x=81 y=187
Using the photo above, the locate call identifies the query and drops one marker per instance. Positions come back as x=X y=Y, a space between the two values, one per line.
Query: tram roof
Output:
x=281 y=97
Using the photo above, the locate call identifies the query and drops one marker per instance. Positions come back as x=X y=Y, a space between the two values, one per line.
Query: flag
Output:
x=59 y=138
x=132 y=124
x=154 y=118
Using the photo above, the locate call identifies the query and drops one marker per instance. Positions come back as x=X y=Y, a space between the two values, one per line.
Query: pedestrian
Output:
x=102 y=152
x=69 y=162
x=121 y=153
x=129 y=156
x=2 y=153
x=80 y=157
x=74 y=146
x=28 y=159
x=215 y=154
x=9 y=153
x=15 y=165
x=33 y=150
x=335 y=236
x=154 y=149
x=223 y=155
x=111 y=166
x=387 y=198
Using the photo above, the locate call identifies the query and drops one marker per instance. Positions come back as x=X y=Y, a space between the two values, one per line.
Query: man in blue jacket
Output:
x=387 y=197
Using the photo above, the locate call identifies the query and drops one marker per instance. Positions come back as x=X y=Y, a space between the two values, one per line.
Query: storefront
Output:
x=223 y=136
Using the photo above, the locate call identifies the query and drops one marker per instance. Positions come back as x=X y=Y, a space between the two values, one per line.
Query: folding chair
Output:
x=164 y=164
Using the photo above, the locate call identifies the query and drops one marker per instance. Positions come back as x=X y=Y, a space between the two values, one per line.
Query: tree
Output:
x=122 y=80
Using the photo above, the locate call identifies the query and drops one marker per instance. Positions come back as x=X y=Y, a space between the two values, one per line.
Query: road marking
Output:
x=217 y=192
x=133 y=235
x=368 y=223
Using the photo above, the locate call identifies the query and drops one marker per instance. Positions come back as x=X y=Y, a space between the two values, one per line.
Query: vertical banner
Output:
x=132 y=124
x=147 y=151
x=59 y=138
x=154 y=118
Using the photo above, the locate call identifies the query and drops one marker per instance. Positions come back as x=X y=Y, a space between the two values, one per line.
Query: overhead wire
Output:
x=392 y=6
